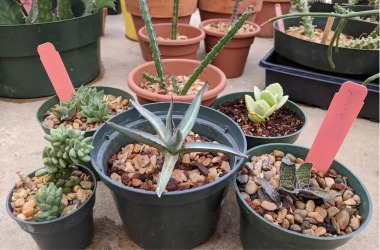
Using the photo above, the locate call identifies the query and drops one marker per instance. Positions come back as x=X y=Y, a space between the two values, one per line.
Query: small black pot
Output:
x=179 y=219
x=73 y=231
x=258 y=233
x=253 y=141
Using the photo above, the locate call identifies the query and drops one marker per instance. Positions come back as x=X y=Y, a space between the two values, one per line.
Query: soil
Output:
x=282 y=122
x=298 y=31
x=179 y=37
x=223 y=27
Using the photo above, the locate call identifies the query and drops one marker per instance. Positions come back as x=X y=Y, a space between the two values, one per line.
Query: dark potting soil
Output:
x=282 y=122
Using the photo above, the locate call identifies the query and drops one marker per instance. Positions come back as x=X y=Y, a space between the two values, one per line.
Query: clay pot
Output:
x=267 y=12
x=172 y=48
x=161 y=11
x=211 y=9
x=233 y=57
x=214 y=77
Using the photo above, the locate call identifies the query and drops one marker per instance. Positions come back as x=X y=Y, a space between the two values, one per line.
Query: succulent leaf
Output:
x=166 y=172
x=48 y=199
x=209 y=147
x=268 y=97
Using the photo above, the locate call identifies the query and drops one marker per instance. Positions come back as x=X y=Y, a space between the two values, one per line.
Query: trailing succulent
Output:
x=265 y=103
x=371 y=41
x=294 y=183
x=68 y=147
x=161 y=77
x=88 y=102
x=170 y=139
x=11 y=11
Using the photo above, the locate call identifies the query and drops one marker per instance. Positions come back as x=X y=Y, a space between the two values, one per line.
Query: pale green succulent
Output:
x=265 y=103
x=170 y=139
x=48 y=199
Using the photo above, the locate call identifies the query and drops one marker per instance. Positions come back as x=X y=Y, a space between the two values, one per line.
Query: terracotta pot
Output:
x=161 y=11
x=267 y=12
x=211 y=9
x=172 y=48
x=214 y=77
x=233 y=57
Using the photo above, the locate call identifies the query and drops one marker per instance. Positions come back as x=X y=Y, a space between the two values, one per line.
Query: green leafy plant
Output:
x=161 y=78
x=265 y=103
x=41 y=11
x=170 y=139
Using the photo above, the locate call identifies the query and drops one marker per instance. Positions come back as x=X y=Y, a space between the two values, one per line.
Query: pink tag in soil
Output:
x=280 y=23
x=56 y=71
x=27 y=4
x=339 y=118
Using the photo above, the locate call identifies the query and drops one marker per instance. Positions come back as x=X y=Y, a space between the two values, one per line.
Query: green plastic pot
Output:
x=179 y=219
x=73 y=231
x=253 y=141
x=258 y=233
x=77 y=40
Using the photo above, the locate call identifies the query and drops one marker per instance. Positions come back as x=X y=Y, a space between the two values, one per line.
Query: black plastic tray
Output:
x=315 y=88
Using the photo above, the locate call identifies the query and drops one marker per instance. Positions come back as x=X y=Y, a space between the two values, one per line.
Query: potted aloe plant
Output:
x=75 y=32
x=54 y=204
x=238 y=47
x=151 y=81
x=265 y=116
x=168 y=196
x=175 y=40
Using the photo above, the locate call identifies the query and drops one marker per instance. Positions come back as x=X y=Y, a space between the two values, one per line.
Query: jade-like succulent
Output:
x=170 y=139
x=48 y=199
x=161 y=77
x=265 y=103
x=68 y=146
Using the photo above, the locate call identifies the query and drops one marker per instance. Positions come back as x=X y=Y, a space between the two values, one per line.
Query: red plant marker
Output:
x=56 y=71
x=280 y=22
x=339 y=118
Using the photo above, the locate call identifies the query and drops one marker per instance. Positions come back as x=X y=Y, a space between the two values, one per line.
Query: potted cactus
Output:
x=265 y=116
x=150 y=81
x=171 y=182
x=76 y=38
x=54 y=204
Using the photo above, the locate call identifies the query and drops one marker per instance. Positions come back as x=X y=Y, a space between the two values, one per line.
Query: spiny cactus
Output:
x=265 y=103
x=161 y=77
x=235 y=12
x=307 y=21
x=68 y=146
x=48 y=199
x=170 y=140
x=372 y=41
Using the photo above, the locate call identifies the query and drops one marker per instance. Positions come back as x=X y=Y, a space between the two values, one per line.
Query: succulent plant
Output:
x=161 y=77
x=372 y=41
x=170 y=139
x=265 y=103
x=68 y=146
x=306 y=21
x=41 y=11
x=48 y=199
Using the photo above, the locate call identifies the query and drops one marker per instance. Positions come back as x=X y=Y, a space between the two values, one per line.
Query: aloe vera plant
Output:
x=170 y=139
x=41 y=11
x=265 y=103
x=161 y=77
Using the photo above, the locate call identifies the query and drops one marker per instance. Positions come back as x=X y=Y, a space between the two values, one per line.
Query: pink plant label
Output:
x=280 y=23
x=338 y=120
x=56 y=71
x=27 y=4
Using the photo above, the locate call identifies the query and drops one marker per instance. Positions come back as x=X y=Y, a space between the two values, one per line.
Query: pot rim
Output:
x=350 y=235
x=203 y=24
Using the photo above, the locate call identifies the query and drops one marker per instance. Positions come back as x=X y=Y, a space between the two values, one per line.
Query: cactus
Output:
x=235 y=12
x=161 y=78
x=170 y=140
x=48 y=199
x=265 y=103
x=68 y=146
x=175 y=20
x=306 y=21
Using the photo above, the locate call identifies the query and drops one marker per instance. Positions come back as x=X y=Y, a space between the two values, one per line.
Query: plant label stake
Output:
x=339 y=118
x=280 y=23
x=326 y=31
x=56 y=71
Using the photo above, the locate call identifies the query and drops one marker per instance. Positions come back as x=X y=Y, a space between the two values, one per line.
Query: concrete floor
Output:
x=21 y=144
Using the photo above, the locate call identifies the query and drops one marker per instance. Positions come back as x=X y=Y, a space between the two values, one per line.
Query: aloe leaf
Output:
x=169 y=121
x=303 y=175
x=153 y=119
x=287 y=177
x=140 y=136
x=273 y=194
x=317 y=193
x=166 y=172
x=11 y=13
x=175 y=142
x=209 y=147
x=191 y=114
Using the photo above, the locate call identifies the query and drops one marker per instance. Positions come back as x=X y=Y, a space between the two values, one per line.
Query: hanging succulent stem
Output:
x=153 y=43
x=371 y=78
x=218 y=47
x=343 y=19
x=235 y=12
x=175 y=20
